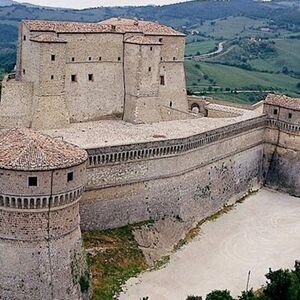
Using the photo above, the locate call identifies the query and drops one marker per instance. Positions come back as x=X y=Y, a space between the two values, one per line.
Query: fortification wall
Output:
x=187 y=178
x=283 y=157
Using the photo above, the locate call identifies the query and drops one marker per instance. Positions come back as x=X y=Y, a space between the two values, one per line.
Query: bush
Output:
x=219 y=295
x=194 y=298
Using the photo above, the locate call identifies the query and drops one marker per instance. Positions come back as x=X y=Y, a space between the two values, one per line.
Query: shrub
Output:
x=219 y=295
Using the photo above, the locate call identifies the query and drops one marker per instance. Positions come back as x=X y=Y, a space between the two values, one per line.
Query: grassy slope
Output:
x=203 y=47
x=288 y=55
x=113 y=257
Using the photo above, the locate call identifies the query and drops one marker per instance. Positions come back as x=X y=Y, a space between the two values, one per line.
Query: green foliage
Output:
x=248 y=296
x=219 y=295
x=84 y=282
x=194 y=298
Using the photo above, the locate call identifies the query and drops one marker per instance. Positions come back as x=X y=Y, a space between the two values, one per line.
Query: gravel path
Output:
x=261 y=232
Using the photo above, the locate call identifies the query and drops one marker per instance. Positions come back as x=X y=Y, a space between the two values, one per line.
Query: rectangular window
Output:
x=174 y=58
x=70 y=176
x=275 y=111
x=151 y=48
x=32 y=181
x=73 y=58
x=74 y=78
x=52 y=57
x=91 y=77
x=90 y=58
x=162 y=80
x=160 y=40
x=290 y=115
x=52 y=77
x=24 y=37
x=119 y=58
x=100 y=58
x=24 y=71
x=149 y=69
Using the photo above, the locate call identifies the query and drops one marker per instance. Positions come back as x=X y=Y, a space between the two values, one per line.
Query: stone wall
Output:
x=188 y=178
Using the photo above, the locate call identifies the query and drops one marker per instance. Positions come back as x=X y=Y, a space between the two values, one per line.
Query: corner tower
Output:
x=41 y=182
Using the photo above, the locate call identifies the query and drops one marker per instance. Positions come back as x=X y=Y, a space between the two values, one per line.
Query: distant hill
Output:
x=7 y=2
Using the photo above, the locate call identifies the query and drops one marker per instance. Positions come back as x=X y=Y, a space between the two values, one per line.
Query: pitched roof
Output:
x=142 y=40
x=146 y=27
x=27 y=150
x=283 y=101
x=113 y=25
x=68 y=27
x=47 y=38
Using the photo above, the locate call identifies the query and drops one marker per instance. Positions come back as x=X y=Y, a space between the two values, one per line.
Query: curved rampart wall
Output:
x=188 y=178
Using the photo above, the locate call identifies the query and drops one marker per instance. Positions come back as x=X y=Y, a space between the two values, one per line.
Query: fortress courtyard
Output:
x=258 y=234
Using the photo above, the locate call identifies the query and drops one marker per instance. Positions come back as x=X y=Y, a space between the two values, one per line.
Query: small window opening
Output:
x=90 y=58
x=151 y=48
x=161 y=58
x=52 y=77
x=73 y=78
x=290 y=115
x=32 y=181
x=52 y=57
x=149 y=69
x=24 y=38
x=171 y=103
x=91 y=77
x=113 y=27
x=119 y=58
x=160 y=40
x=24 y=72
x=275 y=111
x=73 y=58
x=174 y=58
x=162 y=80
x=100 y=58
x=70 y=176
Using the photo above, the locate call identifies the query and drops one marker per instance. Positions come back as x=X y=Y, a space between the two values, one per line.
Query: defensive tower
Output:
x=41 y=182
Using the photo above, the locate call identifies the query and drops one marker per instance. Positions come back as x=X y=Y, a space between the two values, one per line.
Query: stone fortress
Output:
x=117 y=90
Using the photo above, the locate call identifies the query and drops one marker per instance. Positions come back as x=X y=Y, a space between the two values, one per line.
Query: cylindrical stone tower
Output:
x=41 y=182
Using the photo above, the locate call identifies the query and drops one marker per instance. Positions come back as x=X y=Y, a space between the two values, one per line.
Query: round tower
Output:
x=41 y=182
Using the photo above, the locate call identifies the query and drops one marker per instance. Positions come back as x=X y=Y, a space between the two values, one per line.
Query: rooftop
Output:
x=105 y=133
x=283 y=101
x=47 y=38
x=142 y=40
x=114 y=25
x=27 y=150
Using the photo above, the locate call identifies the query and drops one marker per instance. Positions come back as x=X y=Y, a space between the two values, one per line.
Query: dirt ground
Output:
x=258 y=234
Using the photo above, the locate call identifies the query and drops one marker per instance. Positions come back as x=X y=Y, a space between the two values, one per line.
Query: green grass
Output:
x=288 y=54
x=201 y=47
x=115 y=257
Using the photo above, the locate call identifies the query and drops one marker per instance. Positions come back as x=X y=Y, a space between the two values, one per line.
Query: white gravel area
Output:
x=260 y=233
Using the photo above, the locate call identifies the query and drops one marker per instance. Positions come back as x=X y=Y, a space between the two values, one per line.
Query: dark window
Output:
x=174 y=58
x=74 y=78
x=90 y=58
x=151 y=48
x=113 y=27
x=70 y=176
x=119 y=58
x=160 y=40
x=73 y=58
x=149 y=69
x=275 y=111
x=52 y=57
x=32 y=181
x=162 y=80
x=24 y=37
x=52 y=77
x=24 y=71
x=91 y=77
x=171 y=103
x=290 y=115
x=100 y=58
x=161 y=58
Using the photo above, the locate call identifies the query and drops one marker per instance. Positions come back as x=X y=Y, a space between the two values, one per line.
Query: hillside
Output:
x=205 y=22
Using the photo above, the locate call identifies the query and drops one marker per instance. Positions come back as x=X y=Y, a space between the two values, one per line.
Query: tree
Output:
x=194 y=298
x=219 y=295
x=248 y=296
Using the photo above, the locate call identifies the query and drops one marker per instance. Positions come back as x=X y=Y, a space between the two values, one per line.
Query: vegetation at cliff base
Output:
x=280 y=285
x=113 y=257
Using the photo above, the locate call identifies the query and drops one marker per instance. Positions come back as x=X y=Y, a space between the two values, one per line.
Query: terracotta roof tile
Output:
x=284 y=101
x=147 y=27
x=111 y=25
x=47 y=38
x=142 y=40
x=27 y=150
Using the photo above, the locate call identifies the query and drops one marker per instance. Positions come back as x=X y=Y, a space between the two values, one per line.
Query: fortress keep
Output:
x=99 y=86
x=77 y=72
